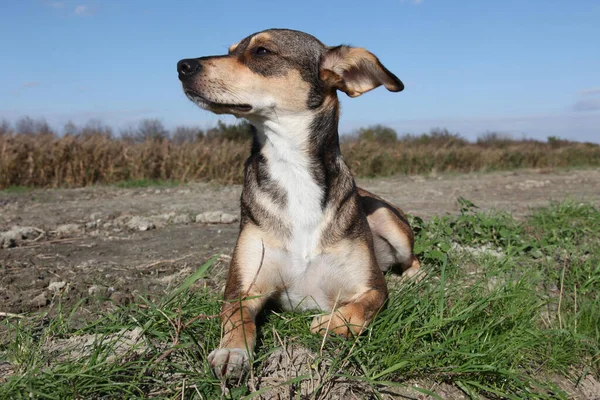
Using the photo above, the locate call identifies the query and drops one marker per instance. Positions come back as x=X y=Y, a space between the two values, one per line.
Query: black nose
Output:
x=188 y=68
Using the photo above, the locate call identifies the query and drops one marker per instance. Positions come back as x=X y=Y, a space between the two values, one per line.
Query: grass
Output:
x=144 y=183
x=82 y=160
x=16 y=189
x=505 y=307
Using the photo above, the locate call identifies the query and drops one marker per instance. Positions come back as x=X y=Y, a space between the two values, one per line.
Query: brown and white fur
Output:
x=309 y=239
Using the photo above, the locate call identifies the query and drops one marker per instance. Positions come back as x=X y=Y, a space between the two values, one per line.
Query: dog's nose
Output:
x=187 y=67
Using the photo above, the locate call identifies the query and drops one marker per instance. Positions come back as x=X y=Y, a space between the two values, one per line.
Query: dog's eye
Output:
x=261 y=51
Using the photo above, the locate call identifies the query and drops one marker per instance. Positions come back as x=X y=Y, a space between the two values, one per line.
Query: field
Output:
x=113 y=292
x=92 y=155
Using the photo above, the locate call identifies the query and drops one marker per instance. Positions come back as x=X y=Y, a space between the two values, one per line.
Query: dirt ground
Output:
x=106 y=244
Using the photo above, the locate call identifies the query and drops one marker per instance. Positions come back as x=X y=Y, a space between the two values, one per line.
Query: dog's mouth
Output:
x=214 y=106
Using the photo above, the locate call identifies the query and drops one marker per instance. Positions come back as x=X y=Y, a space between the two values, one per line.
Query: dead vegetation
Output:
x=92 y=155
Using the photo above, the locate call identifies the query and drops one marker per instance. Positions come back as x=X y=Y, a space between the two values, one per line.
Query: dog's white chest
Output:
x=304 y=216
x=302 y=211
x=307 y=275
x=290 y=169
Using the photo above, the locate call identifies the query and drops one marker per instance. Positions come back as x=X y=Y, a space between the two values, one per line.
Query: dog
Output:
x=309 y=239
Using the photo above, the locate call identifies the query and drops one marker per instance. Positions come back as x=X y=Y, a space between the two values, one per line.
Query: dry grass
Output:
x=47 y=160
x=372 y=159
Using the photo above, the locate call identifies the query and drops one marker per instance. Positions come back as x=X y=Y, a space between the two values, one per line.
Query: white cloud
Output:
x=63 y=8
x=415 y=2
x=83 y=10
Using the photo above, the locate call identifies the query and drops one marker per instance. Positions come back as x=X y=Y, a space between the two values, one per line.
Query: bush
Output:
x=377 y=133
x=436 y=137
x=241 y=132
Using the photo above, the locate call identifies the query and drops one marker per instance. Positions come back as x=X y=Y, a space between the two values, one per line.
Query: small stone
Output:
x=39 y=301
x=87 y=264
x=209 y=217
x=17 y=235
x=95 y=216
x=68 y=230
x=161 y=220
x=55 y=287
x=182 y=219
x=91 y=225
x=164 y=217
x=94 y=290
x=228 y=218
x=122 y=220
x=140 y=224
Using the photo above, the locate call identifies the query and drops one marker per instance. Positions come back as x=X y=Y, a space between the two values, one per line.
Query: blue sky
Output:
x=529 y=68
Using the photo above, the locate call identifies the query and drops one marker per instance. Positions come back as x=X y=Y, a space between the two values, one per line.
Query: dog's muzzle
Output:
x=187 y=68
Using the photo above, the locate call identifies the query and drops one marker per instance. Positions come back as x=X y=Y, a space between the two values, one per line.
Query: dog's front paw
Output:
x=336 y=323
x=229 y=363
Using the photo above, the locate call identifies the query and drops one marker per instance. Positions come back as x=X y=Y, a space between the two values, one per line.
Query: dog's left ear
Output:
x=354 y=70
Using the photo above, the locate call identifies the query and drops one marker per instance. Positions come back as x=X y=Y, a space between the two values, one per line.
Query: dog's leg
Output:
x=392 y=236
x=245 y=295
x=232 y=358
x=392 y=244
x=415 y=267
x=351 y=318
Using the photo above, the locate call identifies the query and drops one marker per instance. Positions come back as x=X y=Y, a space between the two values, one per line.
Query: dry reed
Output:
x=71 y=161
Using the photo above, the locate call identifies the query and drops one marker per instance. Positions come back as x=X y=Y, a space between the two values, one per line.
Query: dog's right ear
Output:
x=354 y=71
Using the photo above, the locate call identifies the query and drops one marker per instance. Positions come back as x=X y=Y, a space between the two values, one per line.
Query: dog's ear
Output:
x=354 y=70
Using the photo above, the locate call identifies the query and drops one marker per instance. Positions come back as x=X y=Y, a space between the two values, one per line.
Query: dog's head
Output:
x=280 y=71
